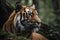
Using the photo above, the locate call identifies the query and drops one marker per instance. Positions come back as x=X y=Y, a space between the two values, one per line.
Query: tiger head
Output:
x=28 y=17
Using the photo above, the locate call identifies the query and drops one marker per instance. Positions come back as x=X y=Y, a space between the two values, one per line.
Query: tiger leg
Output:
x=37 y=36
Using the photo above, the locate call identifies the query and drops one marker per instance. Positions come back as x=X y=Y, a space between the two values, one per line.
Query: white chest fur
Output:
x=19 y=23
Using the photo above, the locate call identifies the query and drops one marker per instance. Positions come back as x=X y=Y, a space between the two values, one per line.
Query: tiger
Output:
x=32 y=17
x=37 y=36
x=25 y=19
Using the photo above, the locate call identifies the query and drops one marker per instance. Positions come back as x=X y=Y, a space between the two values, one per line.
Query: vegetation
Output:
x=48 y=10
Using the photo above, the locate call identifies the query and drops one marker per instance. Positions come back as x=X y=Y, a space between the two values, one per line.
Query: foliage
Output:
x=47 y=13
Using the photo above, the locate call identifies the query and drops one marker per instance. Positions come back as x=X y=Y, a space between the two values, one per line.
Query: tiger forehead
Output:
x=29 y=9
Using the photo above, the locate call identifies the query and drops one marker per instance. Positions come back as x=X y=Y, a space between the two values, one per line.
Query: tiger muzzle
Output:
x=35 y=27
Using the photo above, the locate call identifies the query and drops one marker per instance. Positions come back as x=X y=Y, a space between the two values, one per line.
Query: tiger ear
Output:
x=33 y=6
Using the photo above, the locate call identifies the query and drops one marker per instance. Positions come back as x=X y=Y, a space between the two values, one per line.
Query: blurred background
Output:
x=48 y=11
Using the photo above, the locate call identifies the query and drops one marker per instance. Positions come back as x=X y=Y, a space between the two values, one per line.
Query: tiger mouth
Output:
x=30 y=26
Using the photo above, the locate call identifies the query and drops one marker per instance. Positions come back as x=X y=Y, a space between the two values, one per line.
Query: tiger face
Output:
x=28 y=16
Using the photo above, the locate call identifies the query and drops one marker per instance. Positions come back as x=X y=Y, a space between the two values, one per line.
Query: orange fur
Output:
x=37 y=36
x=11 y=22
x=8 y=23
x=35 y=18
